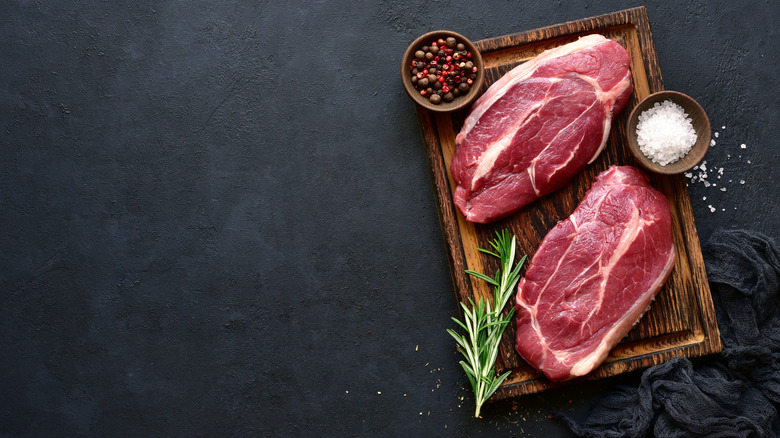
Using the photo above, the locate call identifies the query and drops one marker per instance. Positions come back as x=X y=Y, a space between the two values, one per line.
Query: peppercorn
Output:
x=435 y=99
x=464 y=88
x=469 y=65
x=434 y=50
x=423 y=83
x=419 y=54
x=437 y=85
x=455 y=92
x=460 y=46
x=451 y=42
x=428 y=56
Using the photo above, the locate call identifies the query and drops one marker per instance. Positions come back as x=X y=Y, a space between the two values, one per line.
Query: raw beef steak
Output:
x=538 y=126
x=594 y=275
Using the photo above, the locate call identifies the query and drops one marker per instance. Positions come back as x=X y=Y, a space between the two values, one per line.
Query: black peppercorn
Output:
x=419 y=54
x=451 y=42
x=423 y=83
x=429 y=56
x=463 y=87
x=435 y=99
x=455 y=92
x=460 y=46
x=449 y=97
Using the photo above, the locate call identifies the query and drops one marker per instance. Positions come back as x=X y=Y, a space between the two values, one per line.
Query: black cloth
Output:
x=734 y=394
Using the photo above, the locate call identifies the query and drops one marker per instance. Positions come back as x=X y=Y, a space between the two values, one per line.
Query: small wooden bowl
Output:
x=701 y=124
x=460 y=101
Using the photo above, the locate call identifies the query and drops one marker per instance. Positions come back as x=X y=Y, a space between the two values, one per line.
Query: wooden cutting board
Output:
x=681 y=321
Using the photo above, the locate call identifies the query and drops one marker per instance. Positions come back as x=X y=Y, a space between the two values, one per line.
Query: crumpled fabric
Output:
x=733 y=394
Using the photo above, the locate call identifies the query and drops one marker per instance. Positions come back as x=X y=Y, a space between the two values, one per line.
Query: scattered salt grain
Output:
x=742 y=181
x=712 y=209
x=722 y=127
x=704 y=198
x=743 y=146
x=712 y=143
x=722 y=189
x=748 y=161
x=665 y=133
x=717 y=134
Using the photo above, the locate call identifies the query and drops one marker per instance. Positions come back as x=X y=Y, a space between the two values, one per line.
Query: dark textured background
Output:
x=216 y=218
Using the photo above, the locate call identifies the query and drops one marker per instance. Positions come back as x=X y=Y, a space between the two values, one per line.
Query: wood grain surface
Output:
x=681 y=321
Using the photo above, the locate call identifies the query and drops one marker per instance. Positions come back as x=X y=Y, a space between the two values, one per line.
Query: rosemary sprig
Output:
x=484 y=323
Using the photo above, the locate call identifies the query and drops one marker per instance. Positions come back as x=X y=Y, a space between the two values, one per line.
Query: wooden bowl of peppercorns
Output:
x=443 y=71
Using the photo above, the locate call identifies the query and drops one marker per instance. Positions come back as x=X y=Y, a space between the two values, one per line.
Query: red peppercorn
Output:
x=469 y=81
x=449 y=58
x=423 y=92
x=441 y=78
x=468 y=55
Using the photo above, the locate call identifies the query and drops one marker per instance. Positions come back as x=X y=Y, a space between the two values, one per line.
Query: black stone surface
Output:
x=217 y=220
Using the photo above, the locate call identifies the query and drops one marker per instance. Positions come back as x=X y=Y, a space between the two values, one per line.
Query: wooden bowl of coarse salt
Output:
x=668 y=132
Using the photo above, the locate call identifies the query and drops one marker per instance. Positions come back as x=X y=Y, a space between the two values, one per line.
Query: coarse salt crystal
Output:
x=743 y=146
x=722 y=189
x=722 y=127
x=742 y=181
x=716 y=134
x=712 y=209
x=665 y=133
x=712 y=143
